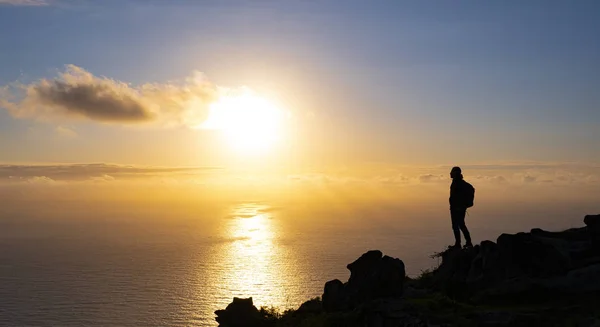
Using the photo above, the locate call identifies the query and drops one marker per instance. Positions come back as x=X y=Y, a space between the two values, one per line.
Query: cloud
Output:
x=24 y=2
x=496 y=179
x=529 y=179
x=103 y=178
x=529 y=166
x=40 y=180
x=77 y=94
x=397 y=179
x=94 y=172
x=65 y=132
x=430 y=178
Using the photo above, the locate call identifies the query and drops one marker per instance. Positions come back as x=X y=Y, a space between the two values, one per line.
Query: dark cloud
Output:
x=78 y=94
x=102 y=101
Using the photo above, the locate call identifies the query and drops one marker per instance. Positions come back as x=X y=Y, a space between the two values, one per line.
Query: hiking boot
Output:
x=455 y=246
x=468 y=245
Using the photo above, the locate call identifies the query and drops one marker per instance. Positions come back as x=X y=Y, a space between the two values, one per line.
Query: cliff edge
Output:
x=539 y=278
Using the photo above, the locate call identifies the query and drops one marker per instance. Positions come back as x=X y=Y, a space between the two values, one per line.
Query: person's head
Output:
x=456 y=172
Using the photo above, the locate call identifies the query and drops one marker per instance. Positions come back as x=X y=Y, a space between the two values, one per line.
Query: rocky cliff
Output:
x=538 y=278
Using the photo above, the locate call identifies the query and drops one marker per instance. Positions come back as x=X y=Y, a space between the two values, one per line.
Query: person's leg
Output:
x=455 y=216
x=463 y=226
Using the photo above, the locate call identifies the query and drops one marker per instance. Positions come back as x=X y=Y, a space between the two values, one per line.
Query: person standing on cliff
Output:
x=462 y=195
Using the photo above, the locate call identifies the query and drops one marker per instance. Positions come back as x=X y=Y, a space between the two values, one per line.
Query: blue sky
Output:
x=413 y=81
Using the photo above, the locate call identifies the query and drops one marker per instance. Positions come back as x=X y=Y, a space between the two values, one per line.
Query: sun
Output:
x=250 y=124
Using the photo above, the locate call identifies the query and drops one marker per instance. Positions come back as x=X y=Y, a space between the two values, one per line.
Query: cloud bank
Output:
x=24 y=2
x=77 y=94
x=77 y=172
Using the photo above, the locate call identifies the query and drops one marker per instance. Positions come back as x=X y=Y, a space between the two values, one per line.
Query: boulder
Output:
x=579 y=281
x=515 y=291
x=334 y=296
x=524 y=254
x=362 y=268
x=593 y=224
x=486 y=268
x=374 y=276
x=572 y=235
x=574 y=242
x=239 y=313
x=451 y=276
x=592 y=220
x=387 y=312
x=313 y=306
x=495 y=318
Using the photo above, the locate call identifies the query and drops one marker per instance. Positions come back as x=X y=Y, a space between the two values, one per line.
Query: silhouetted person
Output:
x=461 y=198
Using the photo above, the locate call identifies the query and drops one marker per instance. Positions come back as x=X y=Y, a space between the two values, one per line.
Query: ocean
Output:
x=158 y=270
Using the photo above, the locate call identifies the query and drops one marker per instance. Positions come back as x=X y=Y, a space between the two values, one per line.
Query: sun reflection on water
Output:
x=253 y=263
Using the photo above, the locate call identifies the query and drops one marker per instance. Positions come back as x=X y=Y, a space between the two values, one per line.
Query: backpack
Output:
x=469 y=192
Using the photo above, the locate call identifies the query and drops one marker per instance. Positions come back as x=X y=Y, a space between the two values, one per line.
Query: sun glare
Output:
x=251 y=124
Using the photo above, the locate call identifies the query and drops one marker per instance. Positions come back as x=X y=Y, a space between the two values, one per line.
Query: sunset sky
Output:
x=503 y=85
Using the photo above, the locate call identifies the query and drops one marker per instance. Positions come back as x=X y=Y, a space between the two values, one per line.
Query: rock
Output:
x=416 y=293
x=495 y=318
x=451 y=275
x=486 y=267
x=572 y=235
x=524 y=290
x=588 y=262
x=574 y=242
x=362 y=268
x=592 y=220
x=591 y=322
x=583 y=280
x=313 y=306
x=334 y=297
x=239 y=313
x=532 y=256
x=529 y=319
x=373 y=276
x=593 y=224
x=515 y=291
x=387 y=312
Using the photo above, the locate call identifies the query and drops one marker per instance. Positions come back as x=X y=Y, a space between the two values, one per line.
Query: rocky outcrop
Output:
x=310 y=307
x=334 y=296
x=239 y=313
x=524 y=254
x=372 y=276
x=560 y=269
x=522 y=263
